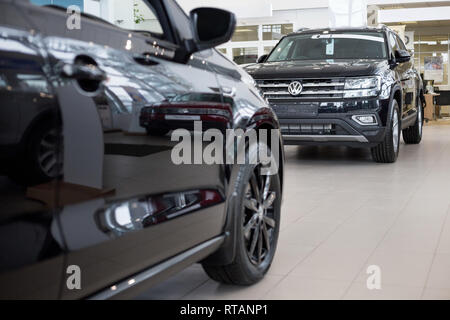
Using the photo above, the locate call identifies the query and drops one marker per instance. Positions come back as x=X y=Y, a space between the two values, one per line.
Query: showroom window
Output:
x=245 y=33
x=245 y=55
x=61 y=3
x=252 y=41
x=431 y=53
x=222 y=50
x=267 y=49
x=276 y=31
x=127 y=14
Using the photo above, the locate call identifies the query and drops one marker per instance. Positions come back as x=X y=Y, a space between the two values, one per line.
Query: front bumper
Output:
x=332 y=123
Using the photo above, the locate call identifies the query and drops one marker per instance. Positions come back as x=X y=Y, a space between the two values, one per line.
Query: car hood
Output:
x=316 y=69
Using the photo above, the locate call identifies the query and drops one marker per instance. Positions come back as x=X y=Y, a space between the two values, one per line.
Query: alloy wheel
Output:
x=259 y=223
x=47 y=156
x=395 y=130
x=420 y=119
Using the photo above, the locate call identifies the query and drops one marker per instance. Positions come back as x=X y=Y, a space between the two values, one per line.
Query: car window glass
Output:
x=393 y=42
x=401 y=44
x=347 y=45
x=283 y=52
x=136 y=15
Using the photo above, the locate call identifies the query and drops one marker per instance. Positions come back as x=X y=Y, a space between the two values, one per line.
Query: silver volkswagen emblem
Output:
x=295 y=88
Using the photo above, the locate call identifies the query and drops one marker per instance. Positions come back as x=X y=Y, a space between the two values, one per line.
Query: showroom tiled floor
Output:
x=342 y=213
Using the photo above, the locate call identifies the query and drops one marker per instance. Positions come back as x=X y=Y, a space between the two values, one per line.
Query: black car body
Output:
x=332 y=105
x=116 y=208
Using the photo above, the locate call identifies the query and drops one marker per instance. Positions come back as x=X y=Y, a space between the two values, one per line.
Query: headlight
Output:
x=362 y=87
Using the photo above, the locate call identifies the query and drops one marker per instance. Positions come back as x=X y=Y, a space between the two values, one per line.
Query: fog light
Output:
x=366 y=119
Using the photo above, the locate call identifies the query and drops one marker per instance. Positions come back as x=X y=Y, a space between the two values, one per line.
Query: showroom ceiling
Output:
x=415 y=5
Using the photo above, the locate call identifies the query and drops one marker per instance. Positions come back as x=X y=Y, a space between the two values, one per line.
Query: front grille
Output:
x=293 y=128
x=313 y=89
x=303 y=128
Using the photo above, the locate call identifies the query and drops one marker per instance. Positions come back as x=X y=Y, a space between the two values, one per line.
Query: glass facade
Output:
x=62 y=3
x=252 y=41
x=127 y=14
x=267 y=49
x=245 y=55
x=276 y=31
x=426 y=47
x=245 y=33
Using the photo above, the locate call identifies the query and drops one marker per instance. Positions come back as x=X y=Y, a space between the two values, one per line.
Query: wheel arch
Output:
x=396 y=95
x=225 y=255
x=49 y=115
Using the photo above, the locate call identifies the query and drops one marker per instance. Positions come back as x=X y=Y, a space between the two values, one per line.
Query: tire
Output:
x=413 y=134
x=387 y=151
x=159 y=132
x=257 y=228
x=40 y=161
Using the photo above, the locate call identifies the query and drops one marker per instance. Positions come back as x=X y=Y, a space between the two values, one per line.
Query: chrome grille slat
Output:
x=338 y=84
x=303 y=128
x=277 y=89
x=278 y=99
x=304 y=92
x=274 y=85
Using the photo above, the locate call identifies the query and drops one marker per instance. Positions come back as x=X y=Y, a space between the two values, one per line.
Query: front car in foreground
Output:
x=354 y=87
x=93 y=203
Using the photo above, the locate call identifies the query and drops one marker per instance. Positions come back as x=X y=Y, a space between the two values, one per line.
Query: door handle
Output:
x=80 y=71
x=229 y=91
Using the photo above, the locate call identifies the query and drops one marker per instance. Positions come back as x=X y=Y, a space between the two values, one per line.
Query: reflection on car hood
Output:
x=316 y=68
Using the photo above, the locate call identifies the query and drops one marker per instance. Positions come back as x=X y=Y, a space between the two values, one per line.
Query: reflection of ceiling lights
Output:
x=128 y=45
x=430 y=43
x=244 y=30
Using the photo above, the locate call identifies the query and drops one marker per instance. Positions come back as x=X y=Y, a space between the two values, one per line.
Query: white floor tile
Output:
x=341 y=213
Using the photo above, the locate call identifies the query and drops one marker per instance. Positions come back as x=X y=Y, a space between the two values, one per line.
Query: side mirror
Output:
x=402 y=56
x=212 y=27
x=262 y=58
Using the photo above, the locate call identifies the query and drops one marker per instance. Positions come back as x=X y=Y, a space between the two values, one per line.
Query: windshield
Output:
x=329 y=46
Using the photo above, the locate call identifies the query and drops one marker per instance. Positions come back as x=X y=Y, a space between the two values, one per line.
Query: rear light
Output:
x=205 y=111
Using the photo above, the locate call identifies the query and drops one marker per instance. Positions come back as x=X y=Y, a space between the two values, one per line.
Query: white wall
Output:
x=390 y=2
x=303 y=13
x=414 y=14
x=301 y=18
x=92 y=7
x=242 y=8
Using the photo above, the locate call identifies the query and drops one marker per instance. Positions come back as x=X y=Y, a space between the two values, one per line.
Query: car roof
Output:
x=343 y=29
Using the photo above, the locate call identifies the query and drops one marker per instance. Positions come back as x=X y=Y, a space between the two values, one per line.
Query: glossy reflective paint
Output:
x=316 y=69
x=29 y=234
x=117 y=204
x=398 y=80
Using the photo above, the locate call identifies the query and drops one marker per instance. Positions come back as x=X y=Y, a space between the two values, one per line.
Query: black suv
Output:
x=354 y=87
x=92 y=203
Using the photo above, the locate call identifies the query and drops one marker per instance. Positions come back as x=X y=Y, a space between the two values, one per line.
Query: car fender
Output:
x=395 y=88
x=264 y=119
